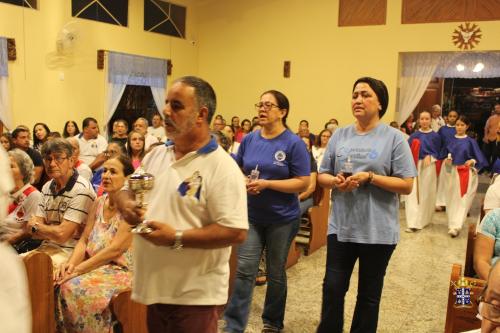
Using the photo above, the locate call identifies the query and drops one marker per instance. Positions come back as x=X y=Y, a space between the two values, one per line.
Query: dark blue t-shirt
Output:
x=282 y=157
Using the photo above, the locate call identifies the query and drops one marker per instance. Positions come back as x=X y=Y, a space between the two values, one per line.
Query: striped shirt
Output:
x=72 y=203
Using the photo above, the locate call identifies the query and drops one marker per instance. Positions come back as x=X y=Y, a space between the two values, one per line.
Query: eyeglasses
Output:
x=265 y=105
x=57 y=159
x=489 y=311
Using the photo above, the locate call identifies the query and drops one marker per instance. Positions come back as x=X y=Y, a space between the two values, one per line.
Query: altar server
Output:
x=426 y=148
x=447 y=133
x=464 y=160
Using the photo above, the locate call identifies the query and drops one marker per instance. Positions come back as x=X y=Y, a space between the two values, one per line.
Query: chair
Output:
x=459 y=319
x=131 y=316
x=41 y=287
x=315 y=231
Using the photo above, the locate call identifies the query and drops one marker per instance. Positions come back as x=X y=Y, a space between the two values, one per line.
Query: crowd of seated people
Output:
x=63 y=204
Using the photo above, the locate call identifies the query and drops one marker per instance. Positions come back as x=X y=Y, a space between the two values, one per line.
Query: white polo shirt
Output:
x=203 y=187
x=89 y=149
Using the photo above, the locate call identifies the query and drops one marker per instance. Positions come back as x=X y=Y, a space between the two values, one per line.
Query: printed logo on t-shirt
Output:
x=63 y=206
x=191 y=187
x=279 y=157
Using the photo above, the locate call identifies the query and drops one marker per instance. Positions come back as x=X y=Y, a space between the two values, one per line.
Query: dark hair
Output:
x=129 y=146
x=308 y=139
x=53 y=135
x=128 y=168
x=394 y=124
x=222 y=140
x=18 y=130
x=318 y=137
x=464 y=119
x=245 y=121
x=86 y=122
x=37 y=142
x=304 y=121
x=335 y=120
x=9 y=138
x=282 y=101
x=380 y=90
x=424 y=111
x=57 y=145
x=205 y=94
x=253 y=126
x=65 y=131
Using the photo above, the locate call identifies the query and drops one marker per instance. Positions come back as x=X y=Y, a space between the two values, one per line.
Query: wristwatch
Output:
x=34 y=228
x=177 y=240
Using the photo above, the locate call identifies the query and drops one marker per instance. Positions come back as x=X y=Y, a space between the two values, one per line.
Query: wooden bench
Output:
x=293 y=255
x=132 y=316
x=40 y=282
x=469 y=252
x=316 y=228
x=460 y=319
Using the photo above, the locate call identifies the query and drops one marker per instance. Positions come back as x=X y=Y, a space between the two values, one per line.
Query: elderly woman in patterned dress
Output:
x=100 y=265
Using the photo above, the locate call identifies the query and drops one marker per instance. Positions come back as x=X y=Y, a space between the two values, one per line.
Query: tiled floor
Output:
x=416 y=285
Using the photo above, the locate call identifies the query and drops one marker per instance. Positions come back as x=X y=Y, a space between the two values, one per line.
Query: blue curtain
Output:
x=3 y=57
x=136 y=70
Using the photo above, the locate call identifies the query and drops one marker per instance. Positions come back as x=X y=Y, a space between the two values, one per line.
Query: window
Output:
x=24 y=3
x=107 y=11
x=165 y=18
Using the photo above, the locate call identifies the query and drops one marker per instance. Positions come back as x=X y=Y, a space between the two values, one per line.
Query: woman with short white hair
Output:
x=25 y=200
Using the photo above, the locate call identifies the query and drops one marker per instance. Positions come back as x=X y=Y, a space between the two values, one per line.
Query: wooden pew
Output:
x=469 y=252
x=132 y=316
x=293 y=255
x=317 y=227
x=462 y=319
x=40 y=282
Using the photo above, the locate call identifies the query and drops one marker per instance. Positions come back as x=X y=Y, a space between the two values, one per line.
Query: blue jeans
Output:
x=276 y=238
x=340 y=260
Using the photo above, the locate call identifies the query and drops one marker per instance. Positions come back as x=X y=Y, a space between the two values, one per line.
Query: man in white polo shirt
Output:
x=92 y=145
x=197 y=210
x=141 y=126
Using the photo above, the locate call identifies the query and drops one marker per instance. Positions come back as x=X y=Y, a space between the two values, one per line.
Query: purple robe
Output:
x=464 y=149
x=447 y=133
x=430 y=144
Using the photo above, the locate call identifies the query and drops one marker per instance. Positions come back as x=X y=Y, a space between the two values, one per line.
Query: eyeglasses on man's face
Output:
x=489 y=311
x=265 y=105
x=57 y=159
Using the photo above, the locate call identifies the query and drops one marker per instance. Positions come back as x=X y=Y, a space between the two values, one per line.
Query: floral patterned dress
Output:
x=82 y=303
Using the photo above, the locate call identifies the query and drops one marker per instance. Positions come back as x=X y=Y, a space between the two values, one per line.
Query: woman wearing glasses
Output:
x=282 y=161
x=363 y=223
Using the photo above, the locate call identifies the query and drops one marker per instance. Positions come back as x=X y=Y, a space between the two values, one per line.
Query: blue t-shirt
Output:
x=490 y=227
x=282 y=157
x=368 y=214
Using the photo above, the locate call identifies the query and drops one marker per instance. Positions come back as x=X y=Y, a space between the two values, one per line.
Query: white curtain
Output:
x=159 y=97
x=5 y=114
x=126 y=69
x=418 y=69
x=115 y=93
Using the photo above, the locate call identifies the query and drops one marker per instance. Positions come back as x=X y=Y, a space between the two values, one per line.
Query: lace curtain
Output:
x=129 y=69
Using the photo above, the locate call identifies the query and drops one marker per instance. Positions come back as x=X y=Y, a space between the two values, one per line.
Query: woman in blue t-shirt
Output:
x=278 y=165
x=363 y=223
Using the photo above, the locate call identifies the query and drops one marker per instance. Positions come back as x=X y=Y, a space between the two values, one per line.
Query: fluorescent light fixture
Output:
x=460 y=67
x=479 y=67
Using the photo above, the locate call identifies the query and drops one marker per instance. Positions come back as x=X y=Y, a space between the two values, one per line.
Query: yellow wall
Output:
x=37 y=93
x=239 y=47
x=243 y=45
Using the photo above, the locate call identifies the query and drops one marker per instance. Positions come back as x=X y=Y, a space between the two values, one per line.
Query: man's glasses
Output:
x=57 y=159
x=488 y=310
x=265 y=105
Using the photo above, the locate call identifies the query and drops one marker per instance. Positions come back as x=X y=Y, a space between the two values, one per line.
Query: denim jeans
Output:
x=276 y=238
x=340 y=260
